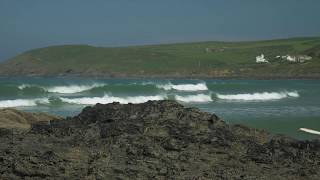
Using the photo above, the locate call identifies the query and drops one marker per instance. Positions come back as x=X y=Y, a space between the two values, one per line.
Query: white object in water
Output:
x=310 y=131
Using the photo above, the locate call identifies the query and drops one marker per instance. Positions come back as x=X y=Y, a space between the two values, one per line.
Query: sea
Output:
x=278 y=106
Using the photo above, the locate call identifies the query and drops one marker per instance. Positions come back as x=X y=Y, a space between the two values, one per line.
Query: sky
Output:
x=29 y=24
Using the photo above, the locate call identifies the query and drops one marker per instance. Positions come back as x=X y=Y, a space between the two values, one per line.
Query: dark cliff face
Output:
x=153 y=140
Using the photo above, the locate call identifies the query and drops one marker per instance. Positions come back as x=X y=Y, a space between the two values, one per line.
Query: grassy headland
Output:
x=201 y=59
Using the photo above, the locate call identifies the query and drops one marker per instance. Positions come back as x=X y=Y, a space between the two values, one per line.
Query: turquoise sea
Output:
x=279 y=106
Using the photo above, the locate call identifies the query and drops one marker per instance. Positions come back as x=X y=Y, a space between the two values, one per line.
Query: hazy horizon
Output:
x=35 y=24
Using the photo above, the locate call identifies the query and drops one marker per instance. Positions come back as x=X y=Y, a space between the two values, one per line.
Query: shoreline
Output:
x=315 y=77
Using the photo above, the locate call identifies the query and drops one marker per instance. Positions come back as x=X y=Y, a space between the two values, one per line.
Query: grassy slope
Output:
x=175 y=60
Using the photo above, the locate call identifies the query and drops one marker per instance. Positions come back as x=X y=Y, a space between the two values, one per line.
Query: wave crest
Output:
x=265 y=96
x=200 y=98
x=67 y=89
x=110 y=99
x=184 y=87
x=72 y=88
x=23 y=86
x=22 y=102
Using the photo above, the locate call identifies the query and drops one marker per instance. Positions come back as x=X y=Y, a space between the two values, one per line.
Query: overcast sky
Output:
x=28 y=24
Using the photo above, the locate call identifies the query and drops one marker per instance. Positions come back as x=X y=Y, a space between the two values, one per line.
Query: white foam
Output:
x=200 y=98
x=72 y=88
x=310 y=131
x=22 y=102
x=23 y=86
x=293 y=94
x=109 y=99
x=265 y=96
x=184 y=87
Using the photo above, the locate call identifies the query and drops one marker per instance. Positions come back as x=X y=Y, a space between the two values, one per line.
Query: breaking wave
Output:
x=109 y=99
x=184 y=87
x=200 y=98
x=24 y=86
x=105 y=88
x=22 y=102
x=68 y=89
x=196 y=98
x=265 y=96
x=73 y=88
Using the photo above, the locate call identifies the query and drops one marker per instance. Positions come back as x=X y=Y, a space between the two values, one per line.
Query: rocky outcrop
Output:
x=153 y=140
x=21 y=121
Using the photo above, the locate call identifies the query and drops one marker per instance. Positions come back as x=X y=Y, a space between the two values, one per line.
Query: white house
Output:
x=261 y=59
x=304 y=58
x=291 y=58
x=298 y=58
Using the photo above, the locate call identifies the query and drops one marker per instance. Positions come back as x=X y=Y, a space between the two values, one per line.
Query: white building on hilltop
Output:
x=298 y=58
x=291 y=58
x=261 y=59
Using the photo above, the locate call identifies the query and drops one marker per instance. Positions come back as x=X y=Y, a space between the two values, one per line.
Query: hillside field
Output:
x=181 y=60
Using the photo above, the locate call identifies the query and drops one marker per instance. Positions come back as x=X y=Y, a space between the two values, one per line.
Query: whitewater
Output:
x=184 y=87
x=269 y=104
x=264 y=96
x=67 y=89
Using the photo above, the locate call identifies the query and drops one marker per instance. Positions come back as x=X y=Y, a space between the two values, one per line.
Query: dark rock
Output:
x=153 y=140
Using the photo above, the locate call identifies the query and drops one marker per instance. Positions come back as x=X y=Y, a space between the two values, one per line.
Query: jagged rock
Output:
x=153 y=140
x=21 y=121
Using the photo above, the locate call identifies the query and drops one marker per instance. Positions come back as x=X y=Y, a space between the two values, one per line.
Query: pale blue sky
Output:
x=28 y=24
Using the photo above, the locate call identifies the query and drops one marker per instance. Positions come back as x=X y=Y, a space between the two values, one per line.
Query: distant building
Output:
x=261 y=59
x=297 y=58
x=209 y=50
x=291 y=58
x=304 y=58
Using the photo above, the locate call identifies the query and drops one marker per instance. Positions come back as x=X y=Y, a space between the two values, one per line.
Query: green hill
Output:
x=201 y=59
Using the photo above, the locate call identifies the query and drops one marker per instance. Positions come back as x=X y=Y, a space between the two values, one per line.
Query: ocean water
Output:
x=279 y=106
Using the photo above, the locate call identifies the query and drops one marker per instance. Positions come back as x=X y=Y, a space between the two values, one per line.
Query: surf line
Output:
x=310 y=131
